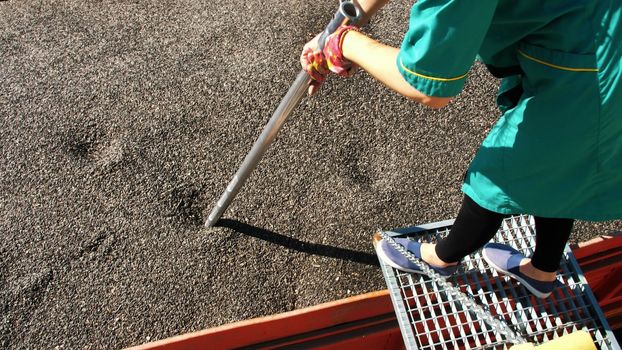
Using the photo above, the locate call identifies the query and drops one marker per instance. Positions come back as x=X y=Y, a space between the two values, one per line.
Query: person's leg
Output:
x=538 y=273
x=551 y=238
x=473 y=227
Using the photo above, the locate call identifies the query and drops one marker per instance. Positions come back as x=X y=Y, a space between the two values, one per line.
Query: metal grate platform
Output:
x=429 y=319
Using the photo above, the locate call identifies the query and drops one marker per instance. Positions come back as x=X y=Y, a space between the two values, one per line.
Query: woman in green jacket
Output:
x=556 y=151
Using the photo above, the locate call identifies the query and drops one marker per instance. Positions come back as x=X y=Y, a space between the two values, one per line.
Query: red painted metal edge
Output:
x=601 y=262
x=365 y=321
x=264 y=329
x=594 y=246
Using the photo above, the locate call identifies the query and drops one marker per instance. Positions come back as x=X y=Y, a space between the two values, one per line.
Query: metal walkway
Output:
x=430 y=319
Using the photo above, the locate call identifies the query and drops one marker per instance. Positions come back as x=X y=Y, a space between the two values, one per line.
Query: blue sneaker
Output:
x=507 y=260
x=397 y=260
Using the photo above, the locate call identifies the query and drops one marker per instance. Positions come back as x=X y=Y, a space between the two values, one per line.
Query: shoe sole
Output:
x=386 y=260
x=525 y=284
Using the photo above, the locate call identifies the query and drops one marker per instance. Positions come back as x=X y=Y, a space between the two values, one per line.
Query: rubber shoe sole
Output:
x=526 y=284
x=378 y=241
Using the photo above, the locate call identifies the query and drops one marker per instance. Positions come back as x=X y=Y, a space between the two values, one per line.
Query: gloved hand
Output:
x=333 y=53
x=318 y=63
x=312 y=60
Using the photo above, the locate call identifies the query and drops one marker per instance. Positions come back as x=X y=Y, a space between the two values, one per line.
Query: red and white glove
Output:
x=312 y=60
x=333 y=52
x=318 y=63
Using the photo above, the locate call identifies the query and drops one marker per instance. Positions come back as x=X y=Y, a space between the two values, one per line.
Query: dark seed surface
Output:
x=121 y=122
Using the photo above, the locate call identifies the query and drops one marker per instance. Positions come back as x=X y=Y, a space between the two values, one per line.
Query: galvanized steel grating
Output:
x=430 y=319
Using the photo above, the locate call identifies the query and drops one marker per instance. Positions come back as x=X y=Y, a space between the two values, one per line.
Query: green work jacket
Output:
x=556 y=150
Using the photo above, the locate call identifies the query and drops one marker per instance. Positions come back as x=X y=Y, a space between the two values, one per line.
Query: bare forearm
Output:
x=370 y=7
x=379 y=61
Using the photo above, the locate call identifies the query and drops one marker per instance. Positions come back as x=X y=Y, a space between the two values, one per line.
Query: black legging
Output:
x=475 y=226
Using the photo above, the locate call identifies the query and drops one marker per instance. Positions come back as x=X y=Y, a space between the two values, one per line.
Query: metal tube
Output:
x=289 y=102
x=348 y=12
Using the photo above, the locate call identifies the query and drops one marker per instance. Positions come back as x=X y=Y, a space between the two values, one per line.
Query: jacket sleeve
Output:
x=442 y=42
